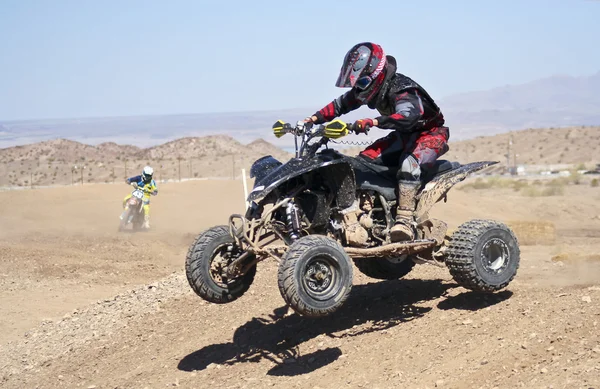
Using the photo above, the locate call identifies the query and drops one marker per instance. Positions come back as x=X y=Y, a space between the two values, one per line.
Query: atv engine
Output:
x=363 y=224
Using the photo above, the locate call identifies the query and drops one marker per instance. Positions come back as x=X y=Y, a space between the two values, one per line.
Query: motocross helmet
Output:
x=147 y=174
x=363 y=69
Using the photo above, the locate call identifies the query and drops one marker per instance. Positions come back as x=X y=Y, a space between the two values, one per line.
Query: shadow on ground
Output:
x=277 y=338
x=473 y=301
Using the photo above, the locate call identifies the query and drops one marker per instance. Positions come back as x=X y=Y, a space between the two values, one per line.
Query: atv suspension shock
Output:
x=293 y=220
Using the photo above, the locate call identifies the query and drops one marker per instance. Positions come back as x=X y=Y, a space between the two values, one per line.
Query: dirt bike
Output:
x=133 y=210
x=322 y=210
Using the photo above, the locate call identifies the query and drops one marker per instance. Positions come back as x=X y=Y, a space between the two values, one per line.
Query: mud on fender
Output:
x=437 y=188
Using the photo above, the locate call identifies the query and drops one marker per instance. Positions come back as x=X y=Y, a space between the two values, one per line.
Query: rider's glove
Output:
x=317 y=118
x=362 y=126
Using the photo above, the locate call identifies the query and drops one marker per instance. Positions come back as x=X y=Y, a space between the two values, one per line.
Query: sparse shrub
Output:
x=575 y=178
x=560 y=181
x=519 y=185
x=594 y=183
x=556 y=188
x=553 y=191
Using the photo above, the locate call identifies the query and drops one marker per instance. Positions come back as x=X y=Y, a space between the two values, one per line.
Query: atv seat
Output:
x=441 y=166
x=381 y=178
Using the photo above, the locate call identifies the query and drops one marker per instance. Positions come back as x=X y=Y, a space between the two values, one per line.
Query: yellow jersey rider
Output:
x=146 y=184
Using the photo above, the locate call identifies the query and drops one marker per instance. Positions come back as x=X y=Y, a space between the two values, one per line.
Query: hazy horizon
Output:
x=74 y=59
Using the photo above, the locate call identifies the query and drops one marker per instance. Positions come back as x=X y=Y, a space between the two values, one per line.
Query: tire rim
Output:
x=219 y=260
x=495 y=256
x=321 y=277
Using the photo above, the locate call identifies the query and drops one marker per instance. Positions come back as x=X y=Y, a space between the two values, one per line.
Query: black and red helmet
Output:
x=363 y=68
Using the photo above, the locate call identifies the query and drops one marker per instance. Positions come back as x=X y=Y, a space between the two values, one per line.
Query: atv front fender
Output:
x=337 y=175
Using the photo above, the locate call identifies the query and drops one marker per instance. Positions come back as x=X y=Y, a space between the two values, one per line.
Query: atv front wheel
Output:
x=483 y=255
x=385 y=268
x=315 y=276
x=206 y=259
x=125 y=219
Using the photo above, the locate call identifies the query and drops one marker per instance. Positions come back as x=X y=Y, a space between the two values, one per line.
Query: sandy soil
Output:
x=84 y=306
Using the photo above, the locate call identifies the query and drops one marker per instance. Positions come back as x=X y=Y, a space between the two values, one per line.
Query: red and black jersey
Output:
x=402 y=103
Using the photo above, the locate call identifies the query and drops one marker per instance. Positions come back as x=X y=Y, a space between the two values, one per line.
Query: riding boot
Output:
x=146 y=222
x=405 y=216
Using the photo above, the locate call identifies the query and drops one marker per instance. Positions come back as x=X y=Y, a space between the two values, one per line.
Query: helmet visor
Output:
x=355 y=63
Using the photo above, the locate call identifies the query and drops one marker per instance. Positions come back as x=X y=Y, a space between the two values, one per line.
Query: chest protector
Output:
x=385 y=101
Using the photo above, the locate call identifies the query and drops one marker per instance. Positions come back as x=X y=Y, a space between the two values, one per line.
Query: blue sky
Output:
x=72 y=58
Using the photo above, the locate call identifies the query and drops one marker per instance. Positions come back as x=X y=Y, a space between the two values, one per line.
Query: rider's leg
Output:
x=428 y=146
x=409 y=182
x=146 y=215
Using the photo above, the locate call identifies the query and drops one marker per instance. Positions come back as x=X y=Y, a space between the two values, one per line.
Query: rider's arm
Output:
x=409 y=109
x=133 y=179
x=340 y=106
x=154 y=188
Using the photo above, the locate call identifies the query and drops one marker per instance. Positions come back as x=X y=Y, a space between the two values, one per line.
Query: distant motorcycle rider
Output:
x=145 y=183
x=419 y=135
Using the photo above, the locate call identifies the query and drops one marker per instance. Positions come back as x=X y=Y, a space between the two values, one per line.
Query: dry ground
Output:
x=82 y=306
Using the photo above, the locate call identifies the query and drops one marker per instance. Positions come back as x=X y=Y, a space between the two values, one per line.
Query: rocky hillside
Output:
x=546 y=146
x=64 y=161
x=572 y=145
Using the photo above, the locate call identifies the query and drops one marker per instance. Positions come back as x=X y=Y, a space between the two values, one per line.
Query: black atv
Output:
x=321 y=209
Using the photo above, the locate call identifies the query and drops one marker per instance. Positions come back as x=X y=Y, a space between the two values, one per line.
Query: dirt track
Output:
x=83 y=306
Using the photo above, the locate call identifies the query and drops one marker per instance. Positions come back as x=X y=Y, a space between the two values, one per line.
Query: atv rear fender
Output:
x=436 y=189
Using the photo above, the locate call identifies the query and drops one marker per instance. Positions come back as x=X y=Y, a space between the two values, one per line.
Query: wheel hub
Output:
x=218 y=264
x=318 y=276
x=494 y=256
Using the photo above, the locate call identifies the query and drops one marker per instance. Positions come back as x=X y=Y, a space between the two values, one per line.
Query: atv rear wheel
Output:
x=315 y=276
x=483 y=255
x=384 y=268
x=204 y=263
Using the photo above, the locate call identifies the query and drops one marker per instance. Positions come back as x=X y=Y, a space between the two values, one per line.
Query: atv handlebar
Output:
x=307 y=131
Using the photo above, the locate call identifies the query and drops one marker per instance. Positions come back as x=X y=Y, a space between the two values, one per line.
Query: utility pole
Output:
x=179 y=169
x=508 y=152
x=233 y=167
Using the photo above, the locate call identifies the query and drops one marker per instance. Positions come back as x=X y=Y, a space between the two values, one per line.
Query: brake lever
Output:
x=355 y=132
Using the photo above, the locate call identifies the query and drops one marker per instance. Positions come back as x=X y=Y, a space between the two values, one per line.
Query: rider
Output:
x=419 y=135
x=147 y=184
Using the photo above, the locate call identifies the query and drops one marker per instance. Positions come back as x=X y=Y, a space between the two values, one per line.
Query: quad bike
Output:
x=133 y=210
x=321 y=209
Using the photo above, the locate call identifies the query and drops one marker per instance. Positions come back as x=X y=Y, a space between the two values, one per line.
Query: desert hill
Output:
x=60 y=161
x=64 y=161
x=547 y=146
x=540 y=147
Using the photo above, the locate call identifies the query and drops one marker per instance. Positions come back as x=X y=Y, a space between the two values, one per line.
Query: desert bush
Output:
x=594 y=183
x=495 y=183
x=553 y=190
x=518 y=185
